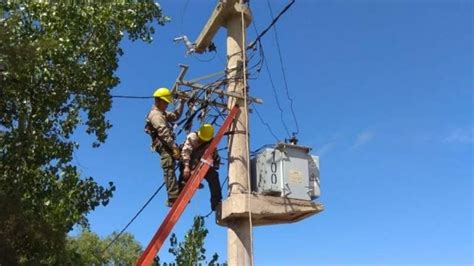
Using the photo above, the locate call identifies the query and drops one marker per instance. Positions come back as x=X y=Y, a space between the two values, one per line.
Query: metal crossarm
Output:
x=180 y=204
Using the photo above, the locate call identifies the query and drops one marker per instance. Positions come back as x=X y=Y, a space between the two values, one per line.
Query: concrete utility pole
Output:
x=239 y=233
x=229 y=14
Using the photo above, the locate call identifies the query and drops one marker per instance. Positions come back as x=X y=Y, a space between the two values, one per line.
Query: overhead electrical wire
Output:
x=275 y=94
x=183 y=12
x=219 y=114
x=131 y=97
x=283 y=67
x=265 y=123
x=133 y=219
x=205 y=60
x=272 y=84
x=264 y=62
x=254 y=70
x=271 y=24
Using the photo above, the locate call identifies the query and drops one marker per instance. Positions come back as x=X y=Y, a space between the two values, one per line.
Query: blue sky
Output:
x=383 y=93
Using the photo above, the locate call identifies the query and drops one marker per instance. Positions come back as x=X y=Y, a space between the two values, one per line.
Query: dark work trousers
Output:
x=212 y=178
x=169 y=176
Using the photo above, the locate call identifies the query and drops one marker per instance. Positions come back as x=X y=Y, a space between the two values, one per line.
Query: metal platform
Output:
x=266 y=210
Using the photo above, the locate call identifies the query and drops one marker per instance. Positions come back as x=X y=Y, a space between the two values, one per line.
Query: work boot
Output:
x=215 y=203
x=170 y=202
x=183 y=183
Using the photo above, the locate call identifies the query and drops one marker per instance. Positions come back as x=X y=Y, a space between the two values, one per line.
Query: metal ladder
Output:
x=181 y=202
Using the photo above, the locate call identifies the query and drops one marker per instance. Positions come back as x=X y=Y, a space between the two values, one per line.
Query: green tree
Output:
x=191 y=251
x=89 y=249
x=124 y=251
x=85 y=249
x=57 y=65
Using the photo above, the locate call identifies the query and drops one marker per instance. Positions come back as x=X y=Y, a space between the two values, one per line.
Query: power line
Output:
x=265 y=124
x=219 y=114
x=283 y=68
x=276 y=96
x=183 y=12
x=133 y=219
x=271 y=24
x=264 y=62
x=205 y=60
x=259 y=64
x=219 y=82
x=131 y=97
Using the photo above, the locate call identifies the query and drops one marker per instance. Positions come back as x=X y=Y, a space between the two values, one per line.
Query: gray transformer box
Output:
x=286 y=170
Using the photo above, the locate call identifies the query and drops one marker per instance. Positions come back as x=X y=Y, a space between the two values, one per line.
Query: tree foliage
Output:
x=124 y=251
x=191 y=251
x=89 y=249
x=57 y=65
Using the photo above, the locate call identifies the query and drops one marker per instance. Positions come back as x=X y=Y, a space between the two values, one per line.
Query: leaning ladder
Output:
x=180 y=204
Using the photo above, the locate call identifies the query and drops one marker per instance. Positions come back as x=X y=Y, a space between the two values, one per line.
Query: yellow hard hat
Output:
x=206 y=132
x=164 y=94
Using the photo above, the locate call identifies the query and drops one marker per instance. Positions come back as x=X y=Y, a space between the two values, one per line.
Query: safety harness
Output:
x=156 y=140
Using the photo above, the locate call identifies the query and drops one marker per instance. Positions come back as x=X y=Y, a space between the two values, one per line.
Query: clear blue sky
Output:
x=383 y=92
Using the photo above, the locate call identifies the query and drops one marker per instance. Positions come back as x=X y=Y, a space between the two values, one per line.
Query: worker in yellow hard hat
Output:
x=193 y=149
x=158 y=126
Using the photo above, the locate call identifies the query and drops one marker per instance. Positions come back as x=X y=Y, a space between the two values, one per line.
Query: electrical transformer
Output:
x=286 y=170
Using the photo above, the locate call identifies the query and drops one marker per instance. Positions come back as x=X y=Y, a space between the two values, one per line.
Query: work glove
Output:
x=176 y=153
x=186 y=172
